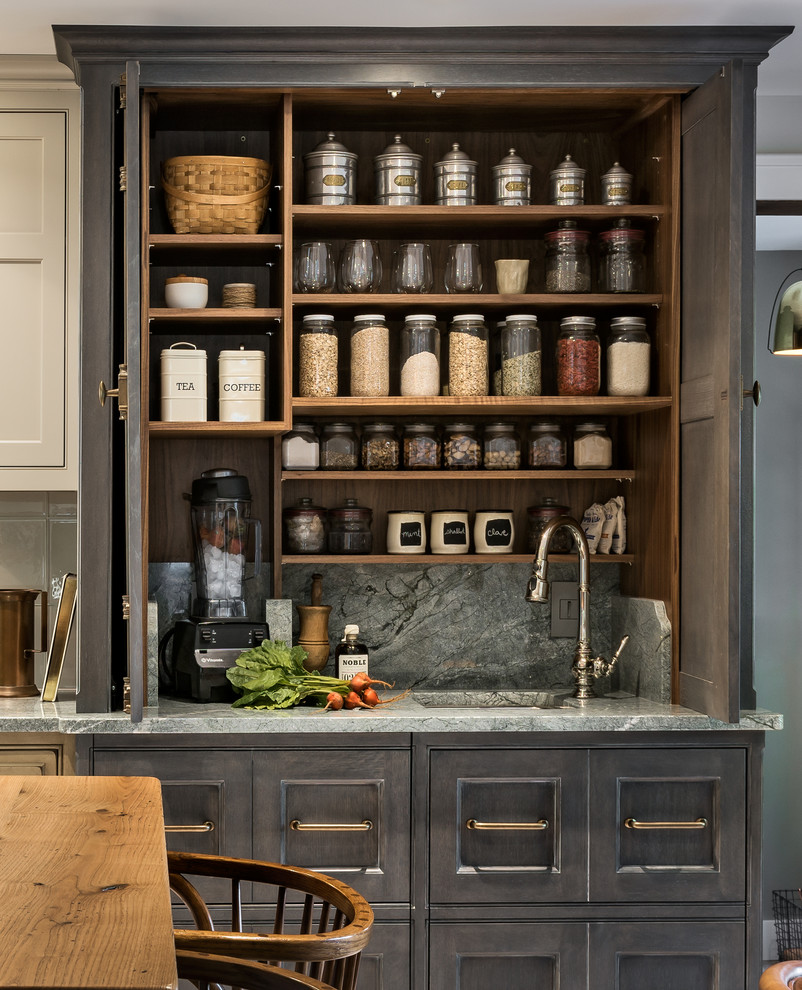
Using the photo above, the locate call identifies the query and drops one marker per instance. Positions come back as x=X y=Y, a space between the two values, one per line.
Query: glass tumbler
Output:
x=360 y=267
x=412 y=268
x=463 y=268
x=314 y=267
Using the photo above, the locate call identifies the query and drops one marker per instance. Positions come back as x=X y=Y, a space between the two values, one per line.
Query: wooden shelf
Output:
x=446 y=405
x=215 y=316
x=213 y=242
x=471 y=301
x=268 y=428
x=532 y=474
x=456 y=558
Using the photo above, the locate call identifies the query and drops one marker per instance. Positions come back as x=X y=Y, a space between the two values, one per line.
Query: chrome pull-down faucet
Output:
x=585 y=667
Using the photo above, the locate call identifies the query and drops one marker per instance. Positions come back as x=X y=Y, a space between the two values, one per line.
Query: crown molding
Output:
x=34 y=72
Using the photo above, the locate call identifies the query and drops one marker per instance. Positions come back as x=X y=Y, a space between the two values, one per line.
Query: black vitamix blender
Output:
x=209 y=642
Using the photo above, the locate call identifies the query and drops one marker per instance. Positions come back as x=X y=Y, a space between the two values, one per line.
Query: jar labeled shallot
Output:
x=502 y=447
x=420 y=356
x=547 y=446
x=370 y=356
x=468 y=355
x=421 y=447
x=449 y=531
x=380 y=447
x=317 y=356
x=593 y=448
x=521 y=356
x=622 y=265
x=578 y=357
x=338 y=447
x=628 y=356
x=461 y=447
x=567 y=259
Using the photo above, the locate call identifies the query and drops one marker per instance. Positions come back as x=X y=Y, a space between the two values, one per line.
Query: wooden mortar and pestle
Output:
x=314 y=631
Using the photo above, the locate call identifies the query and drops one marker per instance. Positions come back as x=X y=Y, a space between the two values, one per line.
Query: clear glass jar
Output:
x=593 y=448
x=628 y=356
x=496 y=379
x=567 y=260
x=421 y=447
x=420 y=356
x=521 y=356
x=349 y=528
x=339 y=450
x=547 y=446
x=380 y=447
x=300 y=448
x=537 y=516
x=461 y=447
x=370 y=356
x=304 y=527
x=502 y=447
x=578 y=357
x=468 y=356
x=317 y=356
x=622 y=265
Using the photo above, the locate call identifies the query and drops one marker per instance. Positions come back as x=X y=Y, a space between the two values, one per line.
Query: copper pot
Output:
x=17 y=641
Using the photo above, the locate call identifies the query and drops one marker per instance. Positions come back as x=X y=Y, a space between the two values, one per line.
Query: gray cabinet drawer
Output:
x=342 y=812
x=668 y=825
x=508 y=825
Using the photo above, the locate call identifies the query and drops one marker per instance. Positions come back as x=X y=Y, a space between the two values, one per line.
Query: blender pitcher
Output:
x=221 y=517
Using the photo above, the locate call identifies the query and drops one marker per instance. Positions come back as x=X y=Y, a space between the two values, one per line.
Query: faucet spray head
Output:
x=539 y=592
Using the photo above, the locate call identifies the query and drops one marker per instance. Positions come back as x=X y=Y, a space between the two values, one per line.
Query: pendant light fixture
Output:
x=785 y=328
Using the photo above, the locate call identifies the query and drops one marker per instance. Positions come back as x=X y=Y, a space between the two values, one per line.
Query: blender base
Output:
x=203 y=649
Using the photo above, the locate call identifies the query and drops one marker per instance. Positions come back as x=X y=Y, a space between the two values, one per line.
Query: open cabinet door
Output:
x=716 y=280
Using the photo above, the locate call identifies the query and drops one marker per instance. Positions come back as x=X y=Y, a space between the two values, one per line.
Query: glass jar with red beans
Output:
x=578 y=357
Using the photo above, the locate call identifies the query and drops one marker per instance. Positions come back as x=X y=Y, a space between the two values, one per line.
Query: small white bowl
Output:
x=186 y=292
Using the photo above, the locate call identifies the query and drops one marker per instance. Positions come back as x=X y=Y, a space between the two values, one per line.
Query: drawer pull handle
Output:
x=297 y=826
x=205 y=827
x=473 y=824
x=634 y=823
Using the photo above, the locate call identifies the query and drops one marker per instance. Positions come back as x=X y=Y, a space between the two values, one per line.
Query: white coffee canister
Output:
x=241 y=382
x=183 y=383
x=493 y=531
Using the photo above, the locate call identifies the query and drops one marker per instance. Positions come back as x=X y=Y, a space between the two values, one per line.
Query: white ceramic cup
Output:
x=511 y=276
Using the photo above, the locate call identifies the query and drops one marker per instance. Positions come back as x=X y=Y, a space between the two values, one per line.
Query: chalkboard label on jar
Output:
x=498 y=532
x=455 y=533
x=411 y=534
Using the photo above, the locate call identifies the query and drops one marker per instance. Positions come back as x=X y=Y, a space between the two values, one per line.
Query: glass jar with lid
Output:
x=537 y=517
x=300 y=448
x=370 y=356
x=420 y=355
x=317 y=356
x=461 y=447
x=338 y=447
x=421 y=447
x=578 y=357
x=304 y=526
x=349 y=528
x=468 y=355
x=593 y=448
x=547 y=446
x=521 y=356
x=380 y=447
x=628 y=356
x=496 y=379
x=567 y=259
x=622 y=264
x=502 y=447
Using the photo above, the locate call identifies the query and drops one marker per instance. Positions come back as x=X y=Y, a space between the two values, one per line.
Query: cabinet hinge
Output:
x=122 y=91
x=127 y=695
x=120 y=393
x=123 y=178
x=126 y=608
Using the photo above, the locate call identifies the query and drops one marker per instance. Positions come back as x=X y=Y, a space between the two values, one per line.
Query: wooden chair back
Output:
x=207 y=971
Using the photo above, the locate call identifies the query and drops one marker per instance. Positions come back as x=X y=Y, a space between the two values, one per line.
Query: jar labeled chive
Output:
x=468 y=355
x=338 y=447
x=521 y=356
x=578 y=357
x=317 y=356
x=379 y=447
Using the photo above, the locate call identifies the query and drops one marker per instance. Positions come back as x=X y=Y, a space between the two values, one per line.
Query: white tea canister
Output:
x=183 y=383
x=448 y=531
x=406 y=531
x=241 y=377
x=493 y=531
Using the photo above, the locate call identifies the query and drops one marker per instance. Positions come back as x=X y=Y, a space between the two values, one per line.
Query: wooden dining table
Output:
x=84 y=894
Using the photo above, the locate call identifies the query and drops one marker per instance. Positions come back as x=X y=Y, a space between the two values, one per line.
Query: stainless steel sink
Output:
x=489 y=699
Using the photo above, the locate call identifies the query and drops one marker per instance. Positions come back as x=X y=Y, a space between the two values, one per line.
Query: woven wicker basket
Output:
x=209 y=194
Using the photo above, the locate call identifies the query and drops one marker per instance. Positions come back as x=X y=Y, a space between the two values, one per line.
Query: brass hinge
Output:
x=120 y=393
x=123 y=178
x=122 y=91
x=127 y=695
x=126 y=608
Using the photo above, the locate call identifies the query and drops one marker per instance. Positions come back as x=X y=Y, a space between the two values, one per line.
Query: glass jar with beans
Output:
x=502 y=447
x=547 y=446
x=461 y=447
x=421 y=447
x=380 y=447
x=578 y=357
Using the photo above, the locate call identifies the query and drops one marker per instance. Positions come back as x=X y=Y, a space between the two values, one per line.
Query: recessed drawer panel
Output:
x=668 y=825
x=507 y=825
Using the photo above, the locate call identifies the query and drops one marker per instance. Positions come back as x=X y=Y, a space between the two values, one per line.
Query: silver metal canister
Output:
x=397 y=173
x=330 y=174
x=455 y=179
x=512 y=181
x=567 y=184
x=616 y=186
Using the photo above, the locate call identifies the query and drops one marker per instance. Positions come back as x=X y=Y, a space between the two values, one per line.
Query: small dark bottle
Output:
x=350 y=656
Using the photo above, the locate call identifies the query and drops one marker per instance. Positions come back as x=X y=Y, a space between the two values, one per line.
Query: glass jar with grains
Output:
x=300 y=448
x=567 y=259
x=468 y=355
x=622 y=264
x=421 y=447
x=317 y=356
x=370 y=356
x=628 y=356
x=420 y=356
x=379 y=447
x=349 y=528
x=593 y=447
x=578 y=357
x=537 y=516
x=461 y=447
x=502 y=447
x=521 y=356
x=547 y=446
x=338 y=447
x=304 y=527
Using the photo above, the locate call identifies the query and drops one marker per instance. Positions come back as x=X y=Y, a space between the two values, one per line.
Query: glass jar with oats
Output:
x=317 y=356
x=468 y=355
